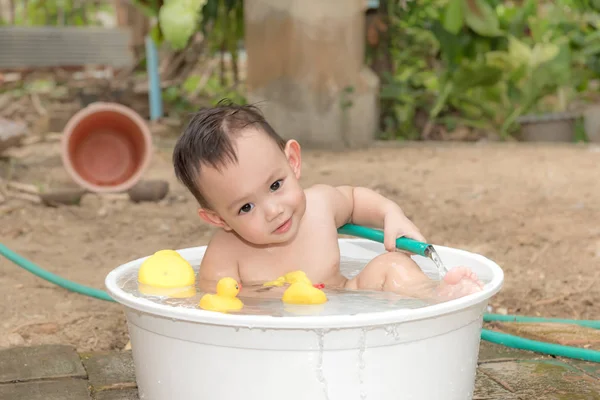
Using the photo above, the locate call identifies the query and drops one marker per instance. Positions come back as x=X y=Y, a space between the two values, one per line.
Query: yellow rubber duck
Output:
x=302 y=290
x=303 y=293
x=277 y=282
x=225 y=299
x=167 y=273
x=290 y=277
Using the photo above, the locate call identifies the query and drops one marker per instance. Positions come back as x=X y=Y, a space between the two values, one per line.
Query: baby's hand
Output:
x=395 y=225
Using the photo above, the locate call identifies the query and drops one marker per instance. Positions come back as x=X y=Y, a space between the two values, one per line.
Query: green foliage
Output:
x=485 y=63
x=53 y=13
x=221 y=22
x=179 y=20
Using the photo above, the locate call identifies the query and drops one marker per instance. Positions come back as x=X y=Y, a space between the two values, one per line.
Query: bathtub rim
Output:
x=305 y=322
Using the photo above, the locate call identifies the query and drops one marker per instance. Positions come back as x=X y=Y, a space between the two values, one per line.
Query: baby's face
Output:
x=259 y=197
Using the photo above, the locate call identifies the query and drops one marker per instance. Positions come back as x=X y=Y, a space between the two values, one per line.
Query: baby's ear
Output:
x=294 y=156
x=212 y=218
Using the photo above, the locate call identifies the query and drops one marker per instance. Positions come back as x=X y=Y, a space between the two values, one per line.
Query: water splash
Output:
x=362 y=346
x=435 y=257
x=320 y=375
x=393 y=331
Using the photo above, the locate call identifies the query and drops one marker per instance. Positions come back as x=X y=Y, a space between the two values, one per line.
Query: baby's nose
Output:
x=273 y=210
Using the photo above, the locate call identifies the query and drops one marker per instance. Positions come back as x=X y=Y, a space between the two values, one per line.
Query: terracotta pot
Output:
x=106 y=147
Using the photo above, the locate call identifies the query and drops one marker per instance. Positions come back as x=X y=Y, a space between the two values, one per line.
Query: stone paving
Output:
x=58 y=372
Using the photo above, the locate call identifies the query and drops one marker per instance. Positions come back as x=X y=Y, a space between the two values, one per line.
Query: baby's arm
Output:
x=219 y=261
x=368 y=208
x=363 y=206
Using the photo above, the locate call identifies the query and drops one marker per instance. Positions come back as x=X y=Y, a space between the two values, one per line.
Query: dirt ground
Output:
x=533 y=209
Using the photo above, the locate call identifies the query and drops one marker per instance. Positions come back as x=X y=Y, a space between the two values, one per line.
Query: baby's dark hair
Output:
x=207 y=140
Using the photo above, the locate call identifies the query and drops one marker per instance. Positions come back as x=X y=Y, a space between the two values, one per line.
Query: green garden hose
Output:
x=487 y=335
x=50 y=277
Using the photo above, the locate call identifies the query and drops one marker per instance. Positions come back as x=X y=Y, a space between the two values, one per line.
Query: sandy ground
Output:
x=533 y=209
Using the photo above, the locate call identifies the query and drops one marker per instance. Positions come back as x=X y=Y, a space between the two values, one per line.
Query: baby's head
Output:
x=243 y=174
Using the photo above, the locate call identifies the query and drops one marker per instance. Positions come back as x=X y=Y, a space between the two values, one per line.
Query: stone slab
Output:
x=590 y=368
x=66 y=389
x=125 y=394
x=109 y=370
x=486 y=388
x=546 y=379
x=40 y=362
x=492 y=352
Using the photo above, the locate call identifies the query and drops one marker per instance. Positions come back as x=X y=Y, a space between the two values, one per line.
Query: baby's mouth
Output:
x=285 y=226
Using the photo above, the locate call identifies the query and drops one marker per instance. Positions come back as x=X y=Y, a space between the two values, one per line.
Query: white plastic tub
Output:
x=424 y=353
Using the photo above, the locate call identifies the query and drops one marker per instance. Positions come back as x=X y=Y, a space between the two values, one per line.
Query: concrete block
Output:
x=125 y=394
x=110 y=370
x=41 y=362
x=590 y=368
x=546 y=379
x=66 y=389
x=486 y=388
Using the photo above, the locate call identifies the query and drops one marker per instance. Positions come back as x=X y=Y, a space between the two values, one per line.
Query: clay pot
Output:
x=106 y=147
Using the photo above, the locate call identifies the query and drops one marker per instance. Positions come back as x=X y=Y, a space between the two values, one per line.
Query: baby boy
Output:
x=245 y=178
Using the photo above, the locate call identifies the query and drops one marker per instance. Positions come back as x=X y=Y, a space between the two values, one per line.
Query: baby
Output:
x=245 y=178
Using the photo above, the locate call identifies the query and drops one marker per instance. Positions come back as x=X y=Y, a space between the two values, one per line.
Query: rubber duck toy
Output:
x=301 y=290
x=225 y=299
x=292 y=277
x=167 y=273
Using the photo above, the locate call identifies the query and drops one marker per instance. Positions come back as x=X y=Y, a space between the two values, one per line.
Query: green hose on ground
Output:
x=50 y=277
x=487 y=335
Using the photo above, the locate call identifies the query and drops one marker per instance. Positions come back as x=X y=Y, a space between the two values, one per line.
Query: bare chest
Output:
x=315 y=251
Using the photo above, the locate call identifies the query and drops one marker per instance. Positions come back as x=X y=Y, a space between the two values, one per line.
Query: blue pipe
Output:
x=154 y=90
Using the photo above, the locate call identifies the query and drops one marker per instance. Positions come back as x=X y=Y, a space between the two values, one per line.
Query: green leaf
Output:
x=156 y=34
x=450 y=45
x=519 y=22
x=177 y=23
x=390 y=91
x=453 y=17
x=482 y=18
x=468 y=77
x=542 y=53
x=540 y=27
x=518 y=51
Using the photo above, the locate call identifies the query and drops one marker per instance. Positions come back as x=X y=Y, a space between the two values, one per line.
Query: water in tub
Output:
x=340 y=302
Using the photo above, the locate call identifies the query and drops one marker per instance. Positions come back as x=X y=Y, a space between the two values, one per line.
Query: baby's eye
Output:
x=246 y=208
x=276 y=185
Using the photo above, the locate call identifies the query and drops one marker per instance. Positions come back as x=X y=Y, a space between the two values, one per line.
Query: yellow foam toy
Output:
x=290 y=277
x=303 y=293
x=225 y=299
x=167 y=273
x=301 y=290
x=176 y=293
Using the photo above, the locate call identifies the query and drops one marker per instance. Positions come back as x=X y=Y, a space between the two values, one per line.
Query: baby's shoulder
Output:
x=320 y=191
x=222 y=243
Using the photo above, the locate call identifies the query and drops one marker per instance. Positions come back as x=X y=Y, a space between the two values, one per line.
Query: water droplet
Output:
x=362 y=345
x=320 y=374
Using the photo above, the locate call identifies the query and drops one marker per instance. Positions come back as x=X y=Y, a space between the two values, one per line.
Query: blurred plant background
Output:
x=449 y=69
